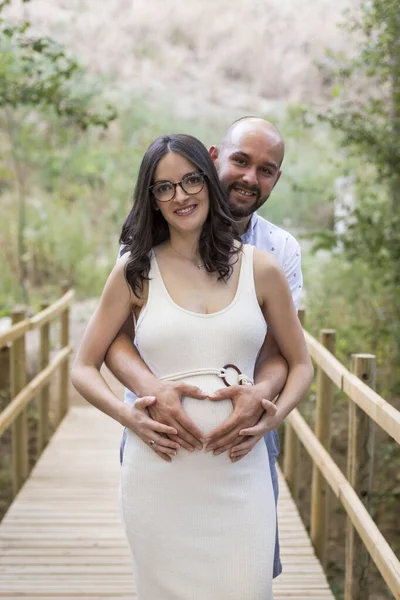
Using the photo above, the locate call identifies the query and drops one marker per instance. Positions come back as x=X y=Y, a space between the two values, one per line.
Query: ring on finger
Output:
x=151 y=443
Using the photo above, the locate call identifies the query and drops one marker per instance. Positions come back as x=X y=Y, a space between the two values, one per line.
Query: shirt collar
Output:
x=249 y=231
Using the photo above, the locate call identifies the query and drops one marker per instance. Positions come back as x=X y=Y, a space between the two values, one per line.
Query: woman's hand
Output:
x=168 y=409
x=252 y=435
x=152 y=431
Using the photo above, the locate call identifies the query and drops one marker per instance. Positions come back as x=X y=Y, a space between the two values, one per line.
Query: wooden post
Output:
x=290 y=462
x=20 y=425
x=64 y=369
x=320 y=490
x=44 y=396
x=292 y=447
x=4 y=371
x=359 y=473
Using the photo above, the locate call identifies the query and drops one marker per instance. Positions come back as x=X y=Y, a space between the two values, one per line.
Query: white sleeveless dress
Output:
x=200 y=527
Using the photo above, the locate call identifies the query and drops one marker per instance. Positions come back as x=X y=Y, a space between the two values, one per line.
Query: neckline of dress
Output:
x=192 y=312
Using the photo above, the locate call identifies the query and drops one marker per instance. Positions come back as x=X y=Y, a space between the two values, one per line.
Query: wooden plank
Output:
x=20 y=441
x=378 y=548
x=14 y=332
x=55 y=309
x=325 y=360
x=64 y=369
x=380 y=411
x=360 y=460
x=384 y=414
x=319 y=488
x=43 y=399
x=20 y=401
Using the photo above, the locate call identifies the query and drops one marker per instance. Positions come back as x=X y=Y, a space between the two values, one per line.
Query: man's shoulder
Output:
x=272 y=233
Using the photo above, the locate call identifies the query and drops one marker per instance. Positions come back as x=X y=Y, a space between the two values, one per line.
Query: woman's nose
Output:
x=180 y=194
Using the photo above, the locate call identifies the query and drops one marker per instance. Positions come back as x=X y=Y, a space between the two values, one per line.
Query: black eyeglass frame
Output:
x=203 y=175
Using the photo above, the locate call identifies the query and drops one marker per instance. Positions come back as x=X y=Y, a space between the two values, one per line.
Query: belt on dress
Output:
x=242 y=379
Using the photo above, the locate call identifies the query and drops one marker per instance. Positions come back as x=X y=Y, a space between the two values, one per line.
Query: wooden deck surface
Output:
x=62 y=537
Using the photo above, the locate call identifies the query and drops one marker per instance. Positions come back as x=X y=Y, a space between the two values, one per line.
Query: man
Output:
x=248 y=162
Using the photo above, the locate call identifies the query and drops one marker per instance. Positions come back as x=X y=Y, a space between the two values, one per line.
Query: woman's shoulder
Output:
x=122 y=261
x=138 y=296
x=124 y=258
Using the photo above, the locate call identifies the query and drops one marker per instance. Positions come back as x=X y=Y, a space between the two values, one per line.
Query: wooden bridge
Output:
x=62 y=538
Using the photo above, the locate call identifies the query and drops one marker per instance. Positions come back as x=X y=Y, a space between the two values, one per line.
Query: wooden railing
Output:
x=366 y=408
x=15 y=415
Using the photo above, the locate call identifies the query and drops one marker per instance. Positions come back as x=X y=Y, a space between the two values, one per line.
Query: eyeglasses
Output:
x=192 y=183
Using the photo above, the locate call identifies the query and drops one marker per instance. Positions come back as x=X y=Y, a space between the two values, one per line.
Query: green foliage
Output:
x=366 y=85
x=365 y=112
x=40 y=86
x=304 y=195
x=37 y=72
x=342 y=295
x=78 y=193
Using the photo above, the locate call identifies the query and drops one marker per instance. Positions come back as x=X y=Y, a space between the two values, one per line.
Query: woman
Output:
x=199 y=527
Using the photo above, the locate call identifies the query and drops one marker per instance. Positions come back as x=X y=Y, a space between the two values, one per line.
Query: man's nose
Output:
x=250 y=176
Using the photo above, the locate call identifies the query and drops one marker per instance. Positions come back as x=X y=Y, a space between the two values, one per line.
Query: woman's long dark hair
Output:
x=145 y=227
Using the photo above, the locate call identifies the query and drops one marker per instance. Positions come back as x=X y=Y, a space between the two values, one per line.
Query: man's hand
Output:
x=252 y=435
x=149 y=430
x=247 y=411
x=168 y=410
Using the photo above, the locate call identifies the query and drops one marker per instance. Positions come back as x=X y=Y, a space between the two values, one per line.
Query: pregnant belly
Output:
x=206 y=414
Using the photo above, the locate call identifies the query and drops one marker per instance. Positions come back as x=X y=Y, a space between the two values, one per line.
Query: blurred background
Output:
x=86 y=86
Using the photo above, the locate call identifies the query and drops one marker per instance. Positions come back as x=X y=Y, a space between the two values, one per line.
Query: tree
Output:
x=37 y=77
x=365 y=110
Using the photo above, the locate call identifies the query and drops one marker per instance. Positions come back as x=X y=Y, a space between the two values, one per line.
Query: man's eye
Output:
x=240 y=161
x=266 y=171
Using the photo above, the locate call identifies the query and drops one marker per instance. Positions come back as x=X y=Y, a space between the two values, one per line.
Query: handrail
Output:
x=15 y=414
x=14 y=332
x=42 y=317
x=366 y=408
x=381 y=412
x=378 y=409
x=380 y=551
x=50 y=313
x=18 y=403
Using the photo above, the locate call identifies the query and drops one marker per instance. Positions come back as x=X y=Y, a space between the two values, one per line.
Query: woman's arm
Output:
x=125 y=363
x=116 y=303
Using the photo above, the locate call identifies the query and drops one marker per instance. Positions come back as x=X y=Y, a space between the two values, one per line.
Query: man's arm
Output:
x=272 y=419
x=125 y=363
x=269 y=378
x=124 y=360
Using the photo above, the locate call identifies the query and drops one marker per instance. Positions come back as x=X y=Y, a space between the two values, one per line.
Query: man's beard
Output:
x=241 y=212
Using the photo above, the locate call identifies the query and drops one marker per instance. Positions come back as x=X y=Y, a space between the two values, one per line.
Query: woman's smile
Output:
x=187 y=210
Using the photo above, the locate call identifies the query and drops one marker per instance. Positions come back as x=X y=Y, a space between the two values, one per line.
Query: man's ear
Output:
x=214 y=152
x=277 y=177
